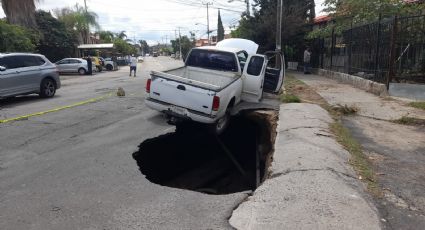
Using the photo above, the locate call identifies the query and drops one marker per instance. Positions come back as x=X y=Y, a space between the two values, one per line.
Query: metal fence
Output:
x=389 y=50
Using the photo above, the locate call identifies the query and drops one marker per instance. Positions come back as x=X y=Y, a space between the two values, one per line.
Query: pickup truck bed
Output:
x=206 y=79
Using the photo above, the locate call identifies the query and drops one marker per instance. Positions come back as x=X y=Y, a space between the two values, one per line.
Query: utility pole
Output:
x=279 y=26
x=180 y=44
x=279 y=16
x=85 y=5
x=166 y=40
x=208 y=23
x=87 y=32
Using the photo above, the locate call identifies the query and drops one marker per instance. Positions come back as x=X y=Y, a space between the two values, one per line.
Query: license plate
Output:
x=178 y=110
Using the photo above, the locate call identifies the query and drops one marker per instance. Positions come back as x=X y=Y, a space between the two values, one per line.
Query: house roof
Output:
x=323 y=18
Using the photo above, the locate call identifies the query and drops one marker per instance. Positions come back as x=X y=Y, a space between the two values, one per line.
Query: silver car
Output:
x=72 y=65
x=22 y=73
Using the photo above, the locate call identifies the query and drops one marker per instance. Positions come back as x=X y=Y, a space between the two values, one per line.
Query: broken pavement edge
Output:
x=311 y=186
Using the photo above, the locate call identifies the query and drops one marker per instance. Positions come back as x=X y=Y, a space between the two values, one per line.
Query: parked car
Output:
x=110 y=64
x=213 y=81
x=140 y=59
x=22 y=73
x=72 y=65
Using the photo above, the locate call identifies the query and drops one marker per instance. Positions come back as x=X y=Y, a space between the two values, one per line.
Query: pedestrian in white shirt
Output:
x=133 y=65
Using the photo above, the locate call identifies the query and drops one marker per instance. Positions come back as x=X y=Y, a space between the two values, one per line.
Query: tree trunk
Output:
x=20 y=12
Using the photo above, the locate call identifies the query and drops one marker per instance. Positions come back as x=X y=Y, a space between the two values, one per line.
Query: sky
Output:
x=157 y=21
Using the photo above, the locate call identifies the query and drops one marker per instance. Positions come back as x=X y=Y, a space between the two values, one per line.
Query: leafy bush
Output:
x=15 y=38
x=56 y=41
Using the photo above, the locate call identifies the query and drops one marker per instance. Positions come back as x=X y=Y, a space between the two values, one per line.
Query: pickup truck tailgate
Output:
x=181 y=94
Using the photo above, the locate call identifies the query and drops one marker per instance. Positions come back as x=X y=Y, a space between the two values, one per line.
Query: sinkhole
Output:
x=194 y=159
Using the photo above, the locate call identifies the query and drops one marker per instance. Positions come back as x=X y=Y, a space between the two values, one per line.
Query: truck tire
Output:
x=221 y=125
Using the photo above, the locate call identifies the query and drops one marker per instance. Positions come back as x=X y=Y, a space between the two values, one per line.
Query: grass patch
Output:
x=405 y=120
x=418 y=105
x=290 y=98
x=358 y=159
x=344 y=110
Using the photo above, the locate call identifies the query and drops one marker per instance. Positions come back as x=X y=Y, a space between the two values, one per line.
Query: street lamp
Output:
x=247 y=5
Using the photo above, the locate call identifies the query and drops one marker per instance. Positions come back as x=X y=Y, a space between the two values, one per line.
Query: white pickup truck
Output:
x=213 y=81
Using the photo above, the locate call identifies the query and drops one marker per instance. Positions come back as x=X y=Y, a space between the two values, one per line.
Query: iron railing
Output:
x=389 y=50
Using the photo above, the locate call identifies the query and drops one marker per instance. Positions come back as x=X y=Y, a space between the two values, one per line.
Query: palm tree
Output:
x=79 y=20
x=20 y=12
x=106 y=36
x=122 y=35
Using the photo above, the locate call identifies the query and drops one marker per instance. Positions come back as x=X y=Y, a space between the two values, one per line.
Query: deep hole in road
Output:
x=191 y=158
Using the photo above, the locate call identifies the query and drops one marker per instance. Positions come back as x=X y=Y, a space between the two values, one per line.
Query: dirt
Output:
x=303 y=91
x=396 y=151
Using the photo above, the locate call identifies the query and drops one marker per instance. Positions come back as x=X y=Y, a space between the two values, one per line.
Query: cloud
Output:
x=154 y=20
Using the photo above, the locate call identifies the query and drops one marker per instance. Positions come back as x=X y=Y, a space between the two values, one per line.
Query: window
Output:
x=255 y=65
x=9 y=62
x=216 y=60
x=27 y=61
x=39 y=61
x=74 y=62
x=63 y=62
x=242 y=56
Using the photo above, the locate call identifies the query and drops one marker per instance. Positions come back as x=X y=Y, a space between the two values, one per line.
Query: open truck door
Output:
x=275 y=72
x=253 y=78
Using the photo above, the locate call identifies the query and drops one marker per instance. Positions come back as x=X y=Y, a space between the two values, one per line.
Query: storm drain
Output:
x=191 y=158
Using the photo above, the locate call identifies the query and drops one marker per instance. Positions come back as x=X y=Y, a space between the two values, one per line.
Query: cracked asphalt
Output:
x=73 y=169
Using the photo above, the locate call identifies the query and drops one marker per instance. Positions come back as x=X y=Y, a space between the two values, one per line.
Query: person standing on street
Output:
x=89 y=66
x=307 y=59
x=133 y=65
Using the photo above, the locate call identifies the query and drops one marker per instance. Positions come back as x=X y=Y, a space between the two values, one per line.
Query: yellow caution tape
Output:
x=24 y=117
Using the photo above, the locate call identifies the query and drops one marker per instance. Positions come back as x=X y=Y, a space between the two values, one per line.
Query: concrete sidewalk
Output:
x=311 y=184
x=369 y=105
x=396 y=152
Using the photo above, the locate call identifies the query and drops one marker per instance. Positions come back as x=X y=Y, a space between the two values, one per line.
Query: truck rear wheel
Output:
x=221 y=125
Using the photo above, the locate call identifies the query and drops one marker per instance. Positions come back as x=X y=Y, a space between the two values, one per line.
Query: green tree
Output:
x=79 y=19
x=106 y=36
x=56 y=42
x=122 y=35
x=144 y=46
x=347 y=12
x=297 y=19
x=186 y=44
x=124 y=47
x=20 y=12
x=220 y=28
x=15 y=38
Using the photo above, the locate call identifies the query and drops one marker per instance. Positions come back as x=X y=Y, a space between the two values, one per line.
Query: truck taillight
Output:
x=148 y=86
x=216 y=103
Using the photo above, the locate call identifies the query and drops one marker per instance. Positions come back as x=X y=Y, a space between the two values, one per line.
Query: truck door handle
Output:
x=181 y=87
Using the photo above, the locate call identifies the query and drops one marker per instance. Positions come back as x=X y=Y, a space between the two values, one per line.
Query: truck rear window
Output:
x=210 y=59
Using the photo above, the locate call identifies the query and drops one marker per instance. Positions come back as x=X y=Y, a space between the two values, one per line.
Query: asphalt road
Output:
x=73 y=168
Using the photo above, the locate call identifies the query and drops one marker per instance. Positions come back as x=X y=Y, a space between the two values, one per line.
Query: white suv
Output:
x=22 y=73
